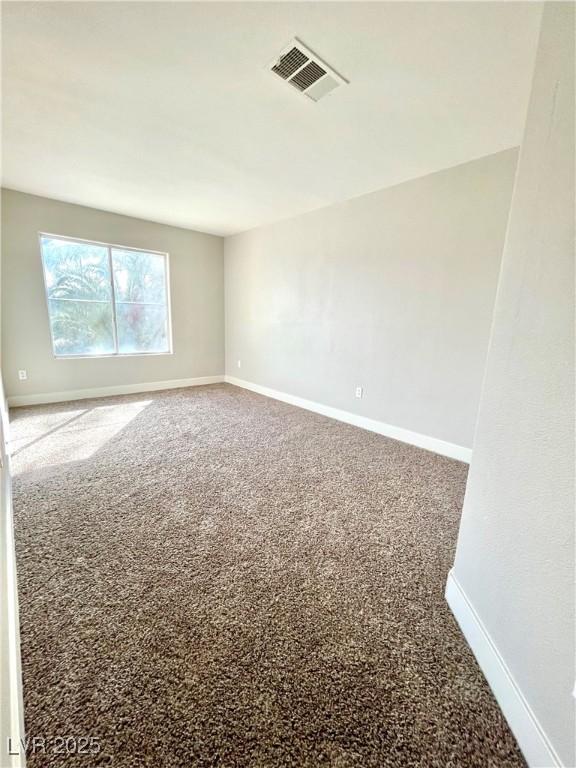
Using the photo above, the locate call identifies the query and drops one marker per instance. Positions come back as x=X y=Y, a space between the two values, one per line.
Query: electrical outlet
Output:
x=239 y=363
x=358 y=392
x=22 y=375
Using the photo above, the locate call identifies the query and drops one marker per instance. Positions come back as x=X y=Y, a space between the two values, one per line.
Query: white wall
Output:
x=515 y=555
x=393 y=291
x=196 y=286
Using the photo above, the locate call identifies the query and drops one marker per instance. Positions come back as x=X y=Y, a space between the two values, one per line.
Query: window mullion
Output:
x=114 y=323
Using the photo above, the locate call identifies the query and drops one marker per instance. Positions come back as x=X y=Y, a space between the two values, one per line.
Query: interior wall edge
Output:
x=11 y=696
x=530 y=735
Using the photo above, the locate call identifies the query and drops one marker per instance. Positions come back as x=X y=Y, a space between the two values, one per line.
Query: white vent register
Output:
x=298 y=66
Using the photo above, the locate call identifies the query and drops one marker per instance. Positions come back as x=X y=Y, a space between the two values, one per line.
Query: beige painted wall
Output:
x=515 y=555
x=393 y=291
x=196 y=287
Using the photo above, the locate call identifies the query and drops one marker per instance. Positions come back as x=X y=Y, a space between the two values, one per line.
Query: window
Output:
x=105 y=300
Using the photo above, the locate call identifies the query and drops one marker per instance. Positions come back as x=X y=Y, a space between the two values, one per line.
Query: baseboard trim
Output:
x=530 y=735
x=16 y=401
x=442 y=447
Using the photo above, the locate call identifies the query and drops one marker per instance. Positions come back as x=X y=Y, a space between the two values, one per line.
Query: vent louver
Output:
x=307 y=76
x=290 y=62
x=298 y=66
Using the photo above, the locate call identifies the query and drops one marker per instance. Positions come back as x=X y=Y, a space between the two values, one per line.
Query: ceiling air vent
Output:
x=305 y=71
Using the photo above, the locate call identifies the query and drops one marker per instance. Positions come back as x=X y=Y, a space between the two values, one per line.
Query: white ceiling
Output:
x=167 y=111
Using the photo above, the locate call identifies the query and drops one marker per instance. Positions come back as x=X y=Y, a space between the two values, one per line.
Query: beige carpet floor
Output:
x=212 y=578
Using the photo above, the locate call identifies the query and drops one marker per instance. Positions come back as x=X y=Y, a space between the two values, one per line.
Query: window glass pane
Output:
x=141 y=328
x=139 y=276
x=76 y=270
x=81 y=327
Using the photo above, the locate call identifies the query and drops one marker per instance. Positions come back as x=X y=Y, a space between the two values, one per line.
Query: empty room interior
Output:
x=287 y=385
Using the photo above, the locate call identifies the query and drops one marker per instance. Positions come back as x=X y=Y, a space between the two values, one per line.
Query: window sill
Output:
x=113 y=356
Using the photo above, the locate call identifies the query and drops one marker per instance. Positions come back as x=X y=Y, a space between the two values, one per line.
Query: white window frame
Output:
x=109 y=247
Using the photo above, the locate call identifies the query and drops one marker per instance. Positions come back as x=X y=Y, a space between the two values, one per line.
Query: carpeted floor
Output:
x=212 y=578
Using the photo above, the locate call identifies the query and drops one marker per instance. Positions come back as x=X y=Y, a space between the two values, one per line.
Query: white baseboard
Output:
x=433 y=444
x=530 y=735
x=397 y=433
x=16 y=401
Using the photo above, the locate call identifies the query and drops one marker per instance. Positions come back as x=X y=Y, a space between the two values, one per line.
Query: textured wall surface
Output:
x=196 y=286
x=393 y=291
x=515 y=556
